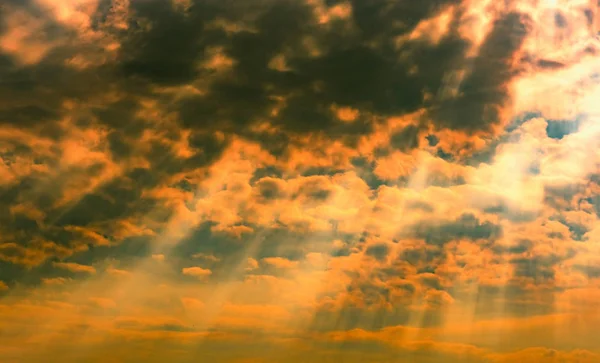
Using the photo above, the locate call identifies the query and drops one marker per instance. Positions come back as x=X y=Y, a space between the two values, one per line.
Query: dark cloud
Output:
x=378 y=251
x=595 y=202
x=247 y=103
x=467 y=226
x=439 y=179
x=321 y=170
x=121 y=115
x=268 y=171
x=549 y=64
x=577 y=231
x=542 y=269
x=27 y=115
x=373 y=78
x=444 y=155
x=537 y=268
x=430 y=280
x=34 y=96
x=381 y=18
x=560 y=20
x=562 y=197
x=432 y=140
x=557 y=129
x=360 y=68
x=514 y=216
x=316 y=190
x=519 y=247
x=12 y=273
x=118 y=199
x=92 y=208
x=369 y=292
x=120 y=146
x=364 y=78
x=268 y=190
x=232 y=253
x=483 y=93
x=590 y=271
x=421 y=205
x=417 y=257
x=366 y=170
x=405 y=139
x=589 y=16
x=166 y=51
x=489 y=152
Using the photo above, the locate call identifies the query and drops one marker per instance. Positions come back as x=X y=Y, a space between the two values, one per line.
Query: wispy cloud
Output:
x=74 y=267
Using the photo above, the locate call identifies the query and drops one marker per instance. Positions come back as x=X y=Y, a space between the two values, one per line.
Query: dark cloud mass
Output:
x=466 y=226
x=165 y=47
x=356 y=64
x=483 y=93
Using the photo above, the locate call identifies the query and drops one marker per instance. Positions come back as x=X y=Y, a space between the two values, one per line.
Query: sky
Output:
x=299 y=181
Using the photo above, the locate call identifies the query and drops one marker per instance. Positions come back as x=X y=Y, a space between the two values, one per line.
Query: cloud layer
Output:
x=370 y=181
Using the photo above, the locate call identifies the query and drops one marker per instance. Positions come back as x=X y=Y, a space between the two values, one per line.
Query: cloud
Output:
x=206 y=257
x=23 y=40
x=103 y=302
x=252 y=264
x=158 y=257
x=401 y=176
x=117 y=272
x=196 y=272
x=55 y=281
x=75 y=267
x=191 y=303
x=540 y=354
x=279 y=262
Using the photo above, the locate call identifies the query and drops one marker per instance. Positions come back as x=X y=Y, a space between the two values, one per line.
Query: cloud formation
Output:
x=381 y=181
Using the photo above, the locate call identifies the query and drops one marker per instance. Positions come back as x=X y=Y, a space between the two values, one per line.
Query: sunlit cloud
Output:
x=75 y=267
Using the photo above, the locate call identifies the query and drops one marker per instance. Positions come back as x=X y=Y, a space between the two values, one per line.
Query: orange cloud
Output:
x=24 y=38
x=117 y=272
x=75 y=267
x=55 y=281
x=546 y=355
x=347 y=114
x=252 y=264
x=280 y=262
x=158 y=257
x=196 y=272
